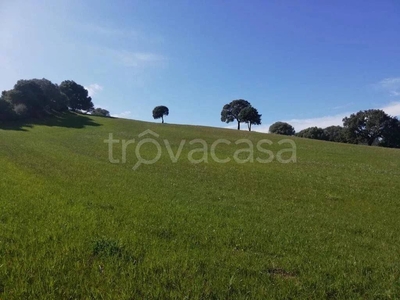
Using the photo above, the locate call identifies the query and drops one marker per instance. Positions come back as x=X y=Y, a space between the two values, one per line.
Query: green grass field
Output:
x=75 y=226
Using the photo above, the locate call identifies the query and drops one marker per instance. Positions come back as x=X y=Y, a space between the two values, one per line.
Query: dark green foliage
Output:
x=13 y=97
x=100 y=112
x=230 y=112
x=160 y=112
x=316 y=133
x=57 y=100
x=34 y=98
x=391 y=134
x=367 y=126
x=370 y=127
x=29 y=94
x=335 y=134
x=6 y=111
x=282 y=128
x=78 y=97
x=250 y=116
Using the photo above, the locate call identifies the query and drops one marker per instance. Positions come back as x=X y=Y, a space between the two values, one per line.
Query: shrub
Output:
x=100 y=112
x=282 y=128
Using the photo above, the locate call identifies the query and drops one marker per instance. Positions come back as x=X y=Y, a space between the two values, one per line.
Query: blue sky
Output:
x=307 y=62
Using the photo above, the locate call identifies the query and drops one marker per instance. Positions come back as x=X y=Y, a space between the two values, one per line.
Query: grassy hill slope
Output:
x=74 y=225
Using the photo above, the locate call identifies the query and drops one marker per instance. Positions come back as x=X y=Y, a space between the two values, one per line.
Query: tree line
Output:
x=37 y=98
x=368 y=127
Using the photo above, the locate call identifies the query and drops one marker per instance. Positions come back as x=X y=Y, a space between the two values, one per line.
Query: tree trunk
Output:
x=238 y=125
x=162 y=118
x=249 y=125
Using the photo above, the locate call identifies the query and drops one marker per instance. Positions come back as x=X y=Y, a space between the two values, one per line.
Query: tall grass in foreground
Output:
x=75 y=226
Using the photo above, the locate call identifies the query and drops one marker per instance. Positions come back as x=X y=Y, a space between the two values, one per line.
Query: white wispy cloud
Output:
x=300 y=124
x=130 y=59
x=106 y=30
x=343 y=106
x=127 y=57
x=109 y=32
x=391 y=85
x=123 y=115
x=93 y=89
x=138 y=59
x=392 y=109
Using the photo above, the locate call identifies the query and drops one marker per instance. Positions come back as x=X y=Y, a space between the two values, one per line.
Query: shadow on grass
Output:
x=67 y=119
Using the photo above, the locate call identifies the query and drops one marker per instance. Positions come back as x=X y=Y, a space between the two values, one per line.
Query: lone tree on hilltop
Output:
x=160 y=112
x=230 y=112
x=78 y=96
x=250 y=116
x=282 y=128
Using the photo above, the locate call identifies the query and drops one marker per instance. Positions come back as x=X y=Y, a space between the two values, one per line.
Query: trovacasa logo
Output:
x=246 y=150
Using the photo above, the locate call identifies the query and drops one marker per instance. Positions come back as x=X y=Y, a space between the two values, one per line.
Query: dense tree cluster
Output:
x=312 y=133
x=369 y=127
x=250 y=116
x=331 y=133
x=78 y=96
x=241 y=111
x=36 y=98
x=335 y=134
